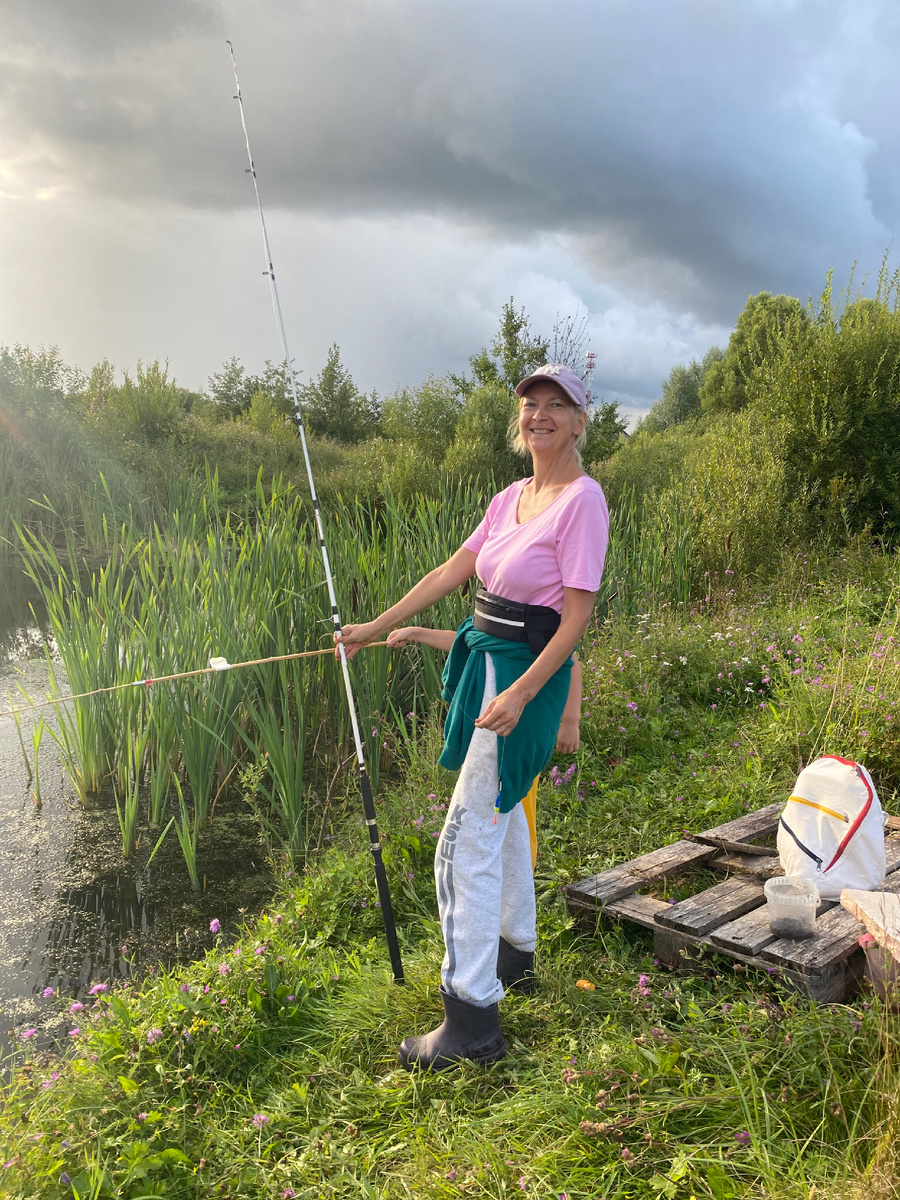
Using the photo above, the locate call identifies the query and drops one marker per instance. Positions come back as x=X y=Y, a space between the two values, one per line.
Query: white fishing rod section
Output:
x=384 y=895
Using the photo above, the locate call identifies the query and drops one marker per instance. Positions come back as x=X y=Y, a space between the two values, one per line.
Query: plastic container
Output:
x=791 y=903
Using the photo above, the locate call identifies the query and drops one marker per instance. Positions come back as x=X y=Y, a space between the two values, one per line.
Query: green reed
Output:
x=249 y=586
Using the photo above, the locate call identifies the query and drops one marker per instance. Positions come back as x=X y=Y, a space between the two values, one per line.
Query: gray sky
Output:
x=649 y=162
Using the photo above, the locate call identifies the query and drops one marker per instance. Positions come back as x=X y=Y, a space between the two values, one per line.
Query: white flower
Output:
x=682 y=660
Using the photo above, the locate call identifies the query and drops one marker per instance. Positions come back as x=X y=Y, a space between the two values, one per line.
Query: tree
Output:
x=680 y=397
x=425 y=417
x=481 y=448
x=756 y=336
x=514 y=353
x=605 y=429
x=333 y=406
x=233 y=389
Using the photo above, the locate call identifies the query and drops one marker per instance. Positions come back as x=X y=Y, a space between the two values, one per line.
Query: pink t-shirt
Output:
x=564 y=546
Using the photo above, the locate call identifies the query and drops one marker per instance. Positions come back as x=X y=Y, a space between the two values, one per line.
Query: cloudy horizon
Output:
x=649 y=163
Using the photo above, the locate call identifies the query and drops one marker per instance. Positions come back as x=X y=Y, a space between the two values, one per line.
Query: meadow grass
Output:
x=268 y=1069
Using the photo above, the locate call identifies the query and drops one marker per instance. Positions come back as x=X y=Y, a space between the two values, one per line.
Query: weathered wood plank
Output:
x=640 y=909
x=632 y=876
x=892 y=854
x=747 y=864
x=747 y=935
x=713 y=907
x=726 y=845
x=833 y=985
x=747 y=829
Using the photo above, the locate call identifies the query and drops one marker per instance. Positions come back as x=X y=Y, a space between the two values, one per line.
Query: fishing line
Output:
x=215 y=664
x=365 y=786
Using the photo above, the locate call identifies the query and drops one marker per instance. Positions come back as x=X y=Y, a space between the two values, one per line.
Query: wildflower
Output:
x=48 y=992
x=627 y=1156
x=141 y=1116
x=643 y=985
x=432 y=796
x=74 y=1032
x=523 y=1183
x=632 y=706
x=65 y=1180
x=28 y=1033
x=291 y=998
x=742 y=1137
x=224 y=969
x=260 y=950
x=260 y=1119
x=98 y=989
x=153 y=1035
x=682 y=660
x=288 y=1193
x=214 y=925
x=185 y=987
x=451 y=1175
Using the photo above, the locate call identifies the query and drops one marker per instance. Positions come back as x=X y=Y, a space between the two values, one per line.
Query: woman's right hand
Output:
x=354 y=637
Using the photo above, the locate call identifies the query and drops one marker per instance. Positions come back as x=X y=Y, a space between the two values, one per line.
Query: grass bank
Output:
x=268 y=1068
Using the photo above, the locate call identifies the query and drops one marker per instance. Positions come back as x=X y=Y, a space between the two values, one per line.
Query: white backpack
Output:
x=832 y=828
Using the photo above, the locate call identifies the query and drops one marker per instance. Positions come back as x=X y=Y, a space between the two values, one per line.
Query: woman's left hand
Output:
x=502 y=714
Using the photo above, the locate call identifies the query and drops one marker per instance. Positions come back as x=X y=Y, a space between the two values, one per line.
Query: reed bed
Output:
x=250 y=586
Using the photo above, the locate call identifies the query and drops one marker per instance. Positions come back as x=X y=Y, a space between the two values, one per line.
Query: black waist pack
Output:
x=531 y=623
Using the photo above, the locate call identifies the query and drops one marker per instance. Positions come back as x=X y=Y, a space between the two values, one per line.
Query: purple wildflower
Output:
x=214 y=925
x=153 y=1035
x=76 y=1007
x=260 y=1119
x=742 y=1137
x=48 y=992
x=28 y=1033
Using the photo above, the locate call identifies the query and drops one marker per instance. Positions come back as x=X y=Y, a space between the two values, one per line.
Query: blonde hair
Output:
x=518 y=446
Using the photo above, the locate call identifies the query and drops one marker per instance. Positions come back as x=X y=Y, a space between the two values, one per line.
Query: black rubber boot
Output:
x=515 y=968
x=468 y=1031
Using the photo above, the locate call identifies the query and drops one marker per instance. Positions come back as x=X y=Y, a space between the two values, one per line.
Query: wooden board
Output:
x=747 y=864
x=750 y=828
x=746 y=935
x=632 y=876
x=879 y=912
x=641 y=910
x=713 y=907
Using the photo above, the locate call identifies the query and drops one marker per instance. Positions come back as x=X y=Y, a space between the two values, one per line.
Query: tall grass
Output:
x=209 y=583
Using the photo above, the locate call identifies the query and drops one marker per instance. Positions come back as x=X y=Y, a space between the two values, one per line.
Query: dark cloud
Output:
x=687 y=152
x=699 y=151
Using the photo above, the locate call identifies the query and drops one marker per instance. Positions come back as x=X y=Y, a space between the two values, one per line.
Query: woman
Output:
x=539 y=553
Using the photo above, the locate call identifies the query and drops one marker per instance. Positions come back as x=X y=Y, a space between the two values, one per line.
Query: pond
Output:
x=73 y=912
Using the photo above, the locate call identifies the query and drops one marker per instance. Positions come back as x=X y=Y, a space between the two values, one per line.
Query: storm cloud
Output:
x=652 y=162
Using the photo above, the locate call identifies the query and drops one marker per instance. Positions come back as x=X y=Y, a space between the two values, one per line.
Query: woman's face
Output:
x=549 y=422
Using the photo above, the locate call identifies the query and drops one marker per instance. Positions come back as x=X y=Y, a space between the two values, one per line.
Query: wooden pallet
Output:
x=730 y=917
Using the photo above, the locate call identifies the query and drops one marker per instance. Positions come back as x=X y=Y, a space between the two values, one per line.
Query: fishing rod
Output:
x=365 y=786
x=215 y=664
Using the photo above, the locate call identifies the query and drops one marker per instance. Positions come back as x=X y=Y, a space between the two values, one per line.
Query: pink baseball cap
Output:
x=561 y=375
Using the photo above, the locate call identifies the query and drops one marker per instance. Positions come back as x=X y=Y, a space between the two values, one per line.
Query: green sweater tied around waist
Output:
x=527 y=750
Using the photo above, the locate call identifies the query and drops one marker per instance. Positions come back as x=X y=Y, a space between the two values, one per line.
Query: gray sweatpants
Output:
x=485 y=884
